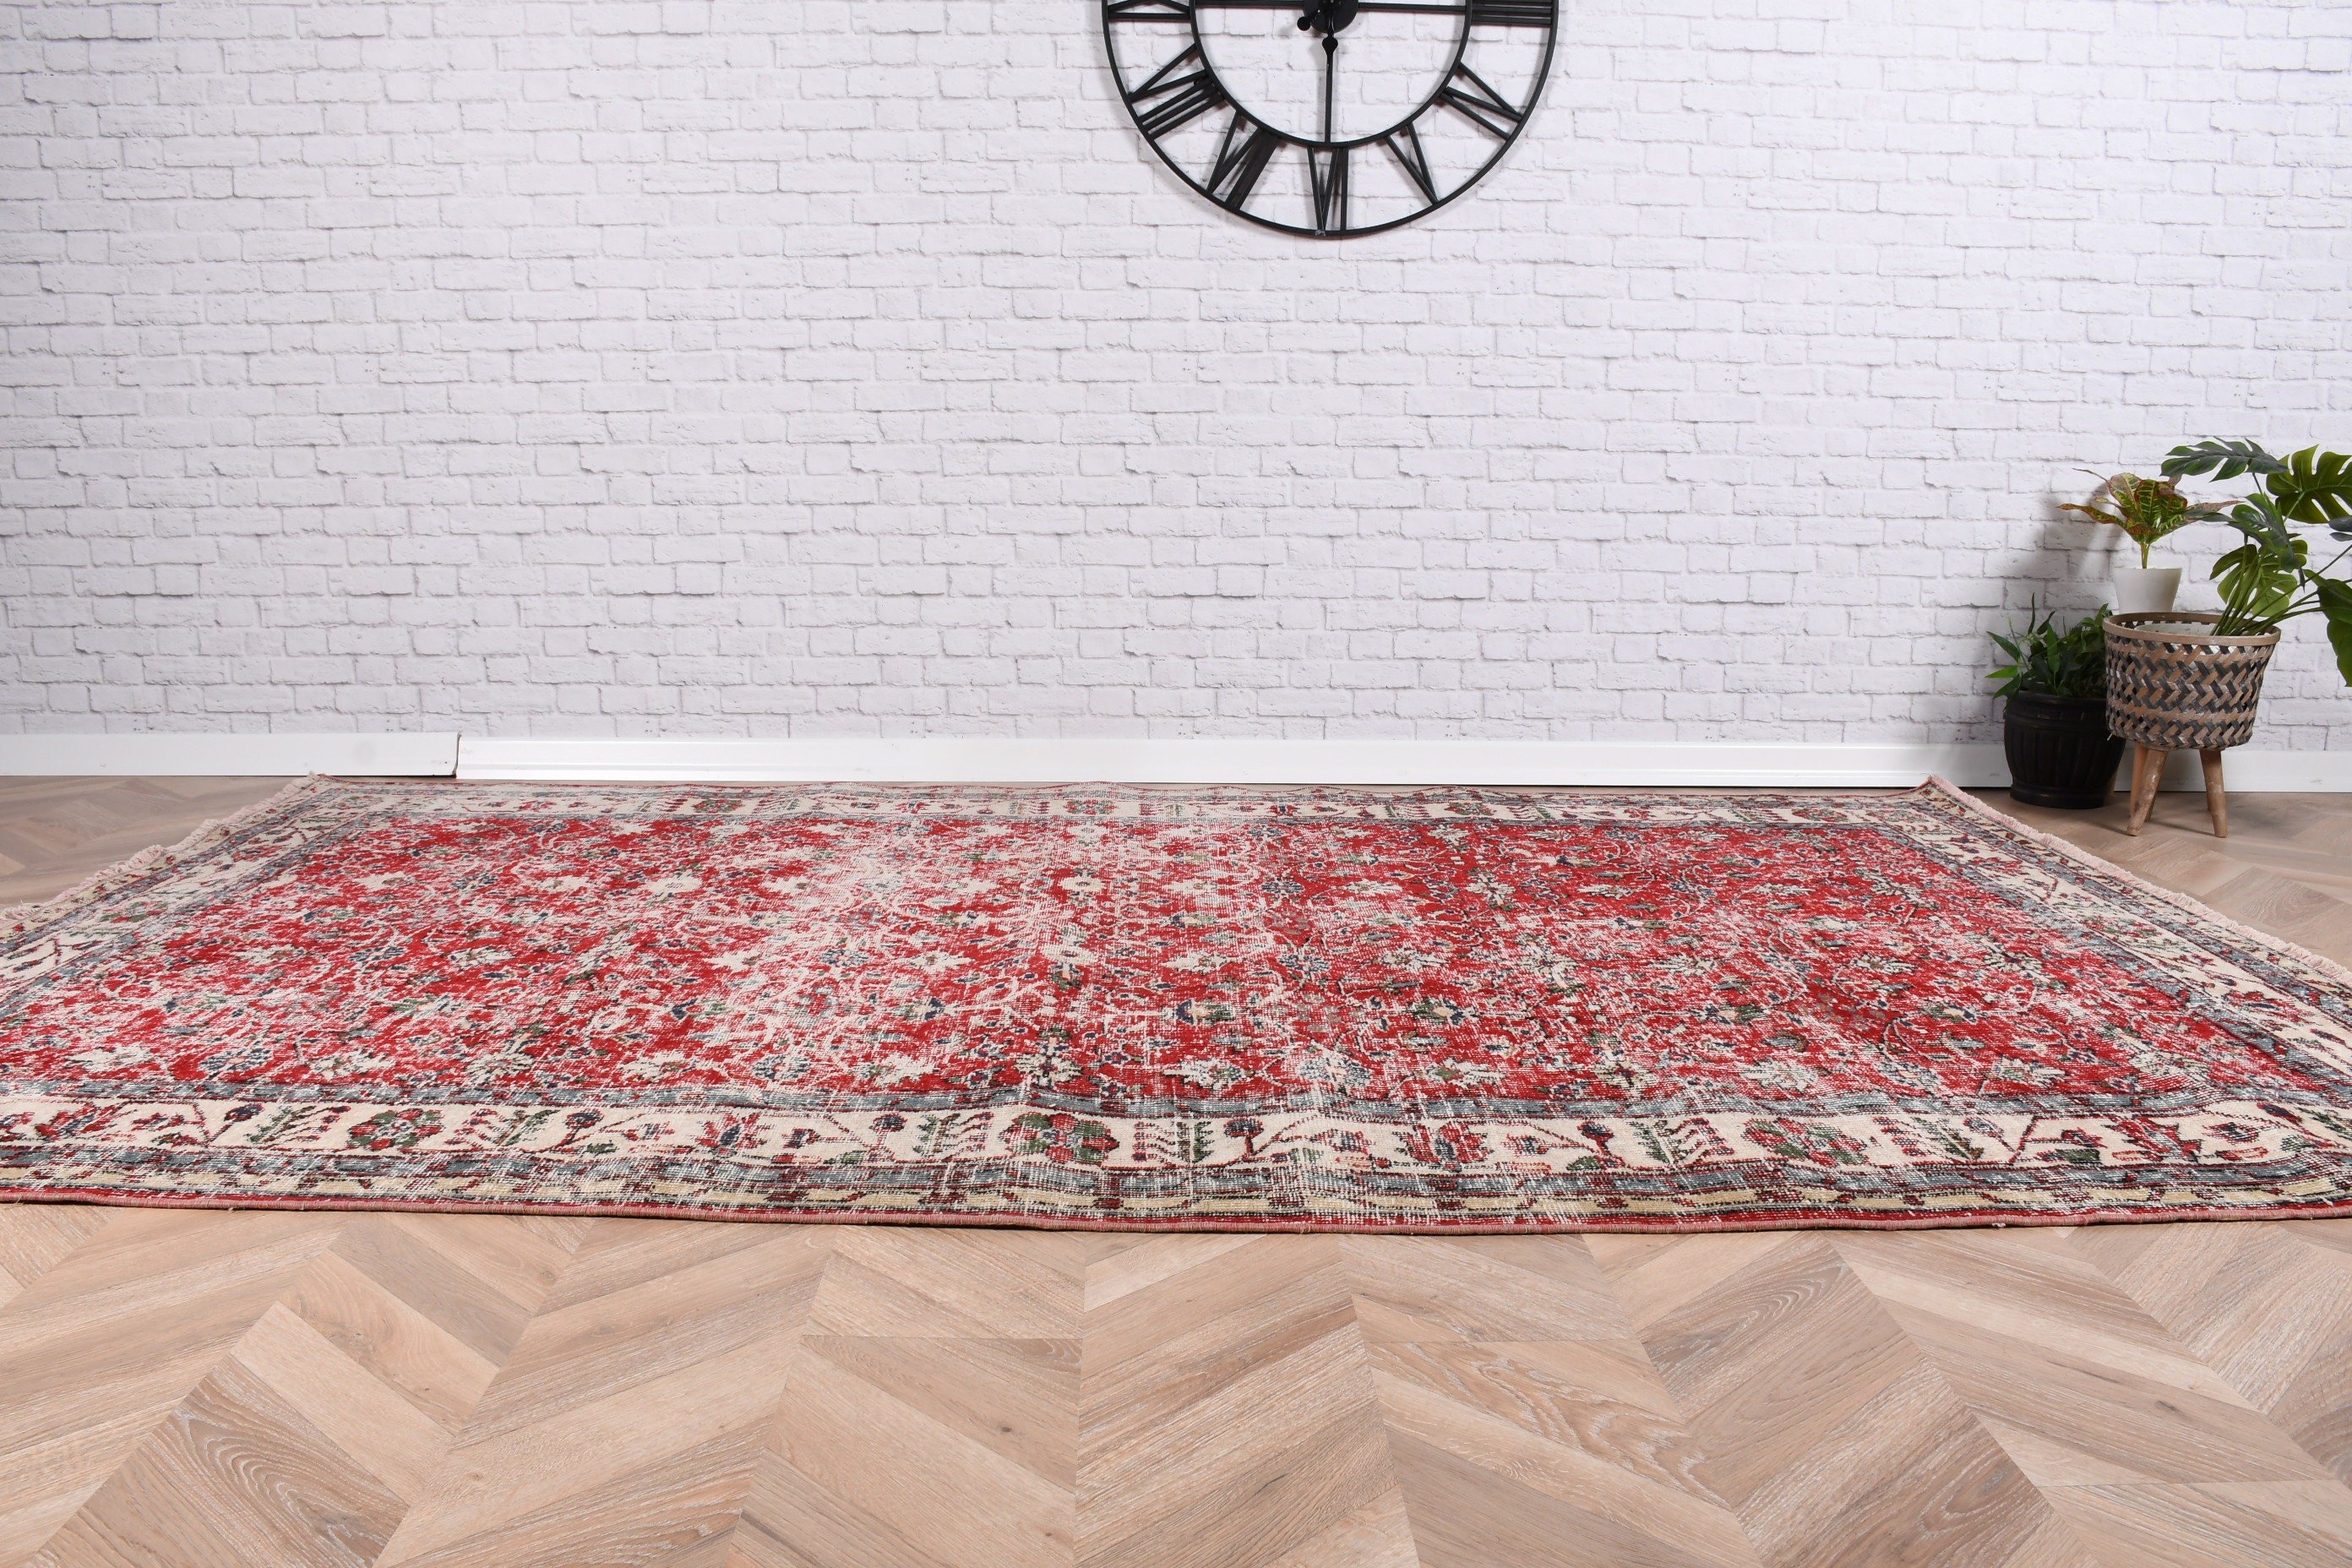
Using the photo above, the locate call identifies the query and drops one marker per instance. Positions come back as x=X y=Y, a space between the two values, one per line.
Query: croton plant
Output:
x=2145 y=509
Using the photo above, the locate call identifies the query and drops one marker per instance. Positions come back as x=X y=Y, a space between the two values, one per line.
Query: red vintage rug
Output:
x=1308 y=1009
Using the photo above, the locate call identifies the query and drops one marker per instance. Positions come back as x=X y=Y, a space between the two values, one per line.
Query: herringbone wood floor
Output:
x=257 y=1389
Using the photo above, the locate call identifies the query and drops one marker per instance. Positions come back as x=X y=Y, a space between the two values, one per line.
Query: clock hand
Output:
x=1402 y=7
x=1330 y=61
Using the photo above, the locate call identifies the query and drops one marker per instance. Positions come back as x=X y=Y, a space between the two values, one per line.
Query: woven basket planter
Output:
x=2173 y=685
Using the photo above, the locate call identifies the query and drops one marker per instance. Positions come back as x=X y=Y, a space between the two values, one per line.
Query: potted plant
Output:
x=2146 y=511
x=2179 y=681
x=2055 y=726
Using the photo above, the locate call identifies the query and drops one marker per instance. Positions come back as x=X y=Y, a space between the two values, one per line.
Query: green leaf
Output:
x=2231 y=572
x=2146 y=509
x=2221 y=459
x=2314 y=486
x=2043 y=659
x=2336 y=603
x=2256 y=581
x=2257 y=517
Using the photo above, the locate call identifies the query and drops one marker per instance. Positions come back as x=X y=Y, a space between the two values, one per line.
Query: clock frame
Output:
x=1167 y=89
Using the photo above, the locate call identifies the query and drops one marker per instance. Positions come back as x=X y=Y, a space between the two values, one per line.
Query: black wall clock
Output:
x=1330 y=117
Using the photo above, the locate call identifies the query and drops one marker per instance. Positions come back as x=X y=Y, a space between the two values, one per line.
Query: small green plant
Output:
x=2048 y=662
x=2146 y=509
x=2269 y=579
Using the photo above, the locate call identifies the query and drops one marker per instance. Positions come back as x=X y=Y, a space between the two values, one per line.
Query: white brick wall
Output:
x=828 y=368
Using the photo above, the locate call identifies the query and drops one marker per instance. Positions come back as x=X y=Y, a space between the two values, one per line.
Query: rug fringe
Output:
x=17 y=919
x=2179 y=900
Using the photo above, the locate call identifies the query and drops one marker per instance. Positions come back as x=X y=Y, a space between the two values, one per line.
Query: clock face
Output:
x=1330 y=117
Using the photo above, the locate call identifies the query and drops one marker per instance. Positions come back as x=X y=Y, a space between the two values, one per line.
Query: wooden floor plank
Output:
x=2077 y=1383
x=35 y=1236
x=102 y=1349
x=439 y=1375
x=675 y=1510
x=1833 y=1438
x=716 y=1298
x=2185 y=1526
x=1377 y=1535
x=861 y=1417
x=581 y=1455
x=2270 y=1312
x=907 y=1282
x=645 y=1345
x=1576 y=1444
x=1411 y=1288
x=1228 y=1412
x=234 y=1475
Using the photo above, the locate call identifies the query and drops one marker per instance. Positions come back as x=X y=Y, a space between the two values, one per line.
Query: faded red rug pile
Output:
x=1439 y=1010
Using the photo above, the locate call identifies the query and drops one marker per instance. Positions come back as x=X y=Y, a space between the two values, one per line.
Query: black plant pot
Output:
x=2060 y=753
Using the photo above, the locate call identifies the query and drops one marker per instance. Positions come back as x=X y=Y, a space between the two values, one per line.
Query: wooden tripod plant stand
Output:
x=2173 y=685
x=2148 y=771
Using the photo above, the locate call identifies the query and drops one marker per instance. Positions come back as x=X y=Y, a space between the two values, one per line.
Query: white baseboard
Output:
x=1210 y=761
x=1255 y=761
x=2301 y=772
x=291 y=755
x=991 y=760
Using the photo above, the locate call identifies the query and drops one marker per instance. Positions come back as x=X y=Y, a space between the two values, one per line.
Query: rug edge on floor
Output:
x=60 y=907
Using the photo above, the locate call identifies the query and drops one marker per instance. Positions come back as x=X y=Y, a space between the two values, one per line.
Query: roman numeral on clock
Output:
x=1209 y=128
x=1175 y=96
x=1467 y=93
x=1150 y=11
x=1404 y=143
x=1514 y=13
x=1241 y=159
x=1326 y=170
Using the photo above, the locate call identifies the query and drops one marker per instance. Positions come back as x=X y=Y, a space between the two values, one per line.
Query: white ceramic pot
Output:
x=2140 y=589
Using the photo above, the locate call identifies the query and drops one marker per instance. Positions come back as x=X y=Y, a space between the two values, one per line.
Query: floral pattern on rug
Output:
x=1255 y=1008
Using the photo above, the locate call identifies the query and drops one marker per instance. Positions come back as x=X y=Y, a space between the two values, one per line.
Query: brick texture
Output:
x=829 y=368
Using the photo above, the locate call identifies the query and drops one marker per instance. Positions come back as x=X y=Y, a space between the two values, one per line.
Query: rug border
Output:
x=2326 y=966
x=1580 y=1226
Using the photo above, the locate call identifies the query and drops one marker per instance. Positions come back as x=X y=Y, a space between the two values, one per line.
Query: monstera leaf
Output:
x=2336 y=603
x=2259 y=579
x=2311 y=486
x=2314 y=486
x=2256 y=589
x=2220 y=460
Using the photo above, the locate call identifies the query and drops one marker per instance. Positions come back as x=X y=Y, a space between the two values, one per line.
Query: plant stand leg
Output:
x=2147 y=770
x=2216 y=799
